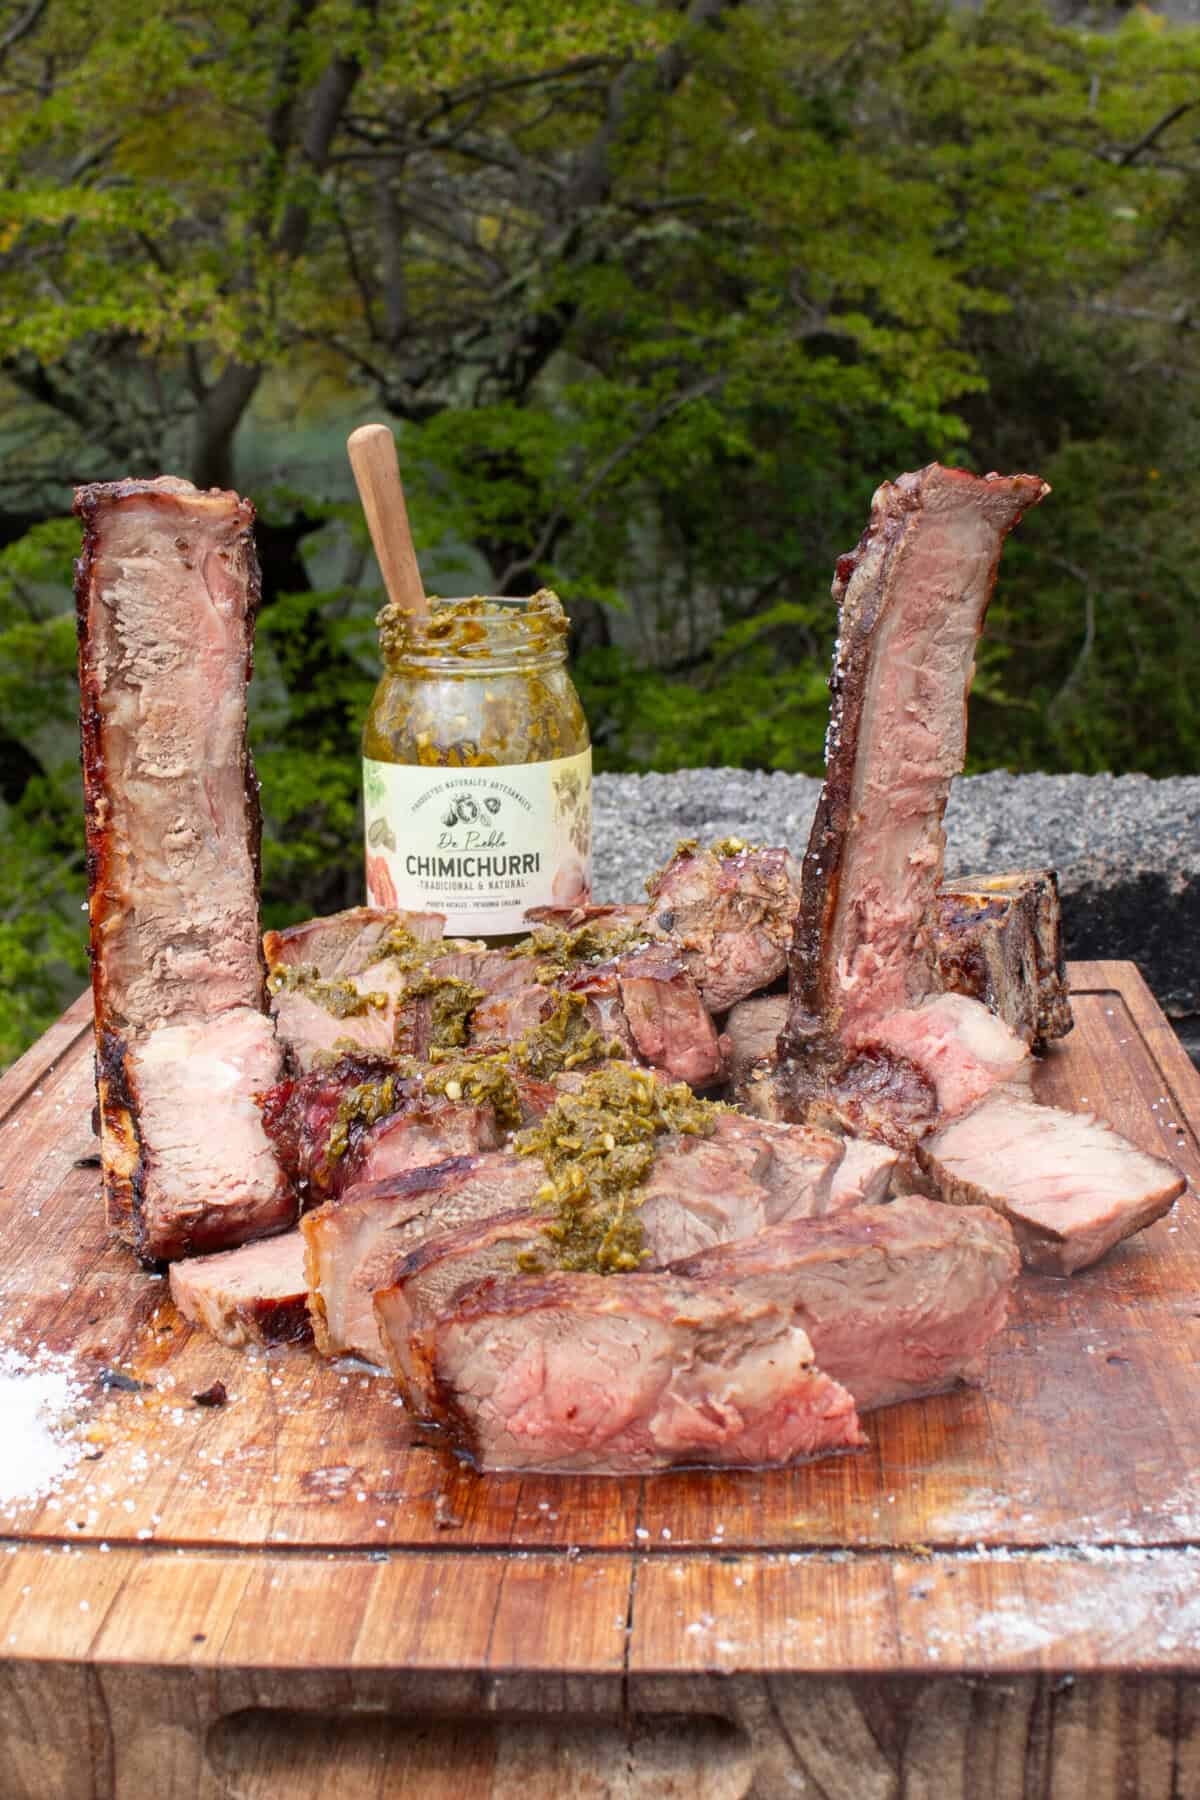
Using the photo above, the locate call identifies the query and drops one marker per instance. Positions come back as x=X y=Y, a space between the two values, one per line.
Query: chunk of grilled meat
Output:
x=166 y=589
x=1069 y=1185
x=355 y=1241
x=731 y=912
x=624 y=1374
x=255 y=1294
x=898 y=1300
x=999 y=939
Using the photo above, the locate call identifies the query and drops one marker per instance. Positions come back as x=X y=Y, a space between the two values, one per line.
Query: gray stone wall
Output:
x=1126 y=848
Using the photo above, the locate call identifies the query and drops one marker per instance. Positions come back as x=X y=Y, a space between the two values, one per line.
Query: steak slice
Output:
x=898 y=1300
x=702 y=1191
x=731 y=913
x=667 y=1019
x=863 y=1177
x=619 y=1375
x=570 y=918
x=336 y=984
x=256 y=1294
x=343 y=944
x=364 y=1117
x=166 y=589
x=424 y=1282
x=419 y=1137
x=962 y=1050
x=355 y=1242
x=203 y=1171
x=999 y=939
x=502 y=1019
x=752 y=1029
x=1070 y=1186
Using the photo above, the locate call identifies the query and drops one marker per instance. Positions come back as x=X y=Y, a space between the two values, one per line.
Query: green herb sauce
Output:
x=597 y=1147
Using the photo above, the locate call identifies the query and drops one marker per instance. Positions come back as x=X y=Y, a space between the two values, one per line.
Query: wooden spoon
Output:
x=372 y=451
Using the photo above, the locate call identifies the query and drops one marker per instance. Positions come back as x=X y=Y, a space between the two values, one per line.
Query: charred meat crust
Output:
x=820 y=874
x=999 y=939
x=285 y=1321
x=122 y=1175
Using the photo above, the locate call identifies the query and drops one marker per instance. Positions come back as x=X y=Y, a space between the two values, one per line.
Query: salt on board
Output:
x=39 y=1400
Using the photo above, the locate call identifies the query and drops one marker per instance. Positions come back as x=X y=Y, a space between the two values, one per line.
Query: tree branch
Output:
x=561 y=518
x=1155 y=132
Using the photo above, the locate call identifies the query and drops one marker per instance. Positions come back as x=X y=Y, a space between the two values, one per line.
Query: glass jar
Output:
x=477 y=766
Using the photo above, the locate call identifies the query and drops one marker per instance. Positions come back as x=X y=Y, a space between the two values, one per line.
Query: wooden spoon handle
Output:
x=372 y=450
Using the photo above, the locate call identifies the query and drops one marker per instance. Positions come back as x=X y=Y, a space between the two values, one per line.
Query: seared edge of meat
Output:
x=912 y=597
x=166 y=589
x=255 y=1294
x=622 y=1374
x=899 y=1301
x=1070 y=1186
x=999 y=939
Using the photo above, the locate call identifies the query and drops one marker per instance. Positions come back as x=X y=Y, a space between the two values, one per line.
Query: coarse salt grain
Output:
x=36 y=1400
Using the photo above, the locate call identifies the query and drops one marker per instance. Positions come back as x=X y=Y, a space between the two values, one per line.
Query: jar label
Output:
x=480 y=845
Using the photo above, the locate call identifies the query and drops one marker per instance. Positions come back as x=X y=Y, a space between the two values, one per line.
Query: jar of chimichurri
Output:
x=477 y=766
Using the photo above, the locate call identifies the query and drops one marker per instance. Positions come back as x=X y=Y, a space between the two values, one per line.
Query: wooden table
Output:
x=1000 y=1597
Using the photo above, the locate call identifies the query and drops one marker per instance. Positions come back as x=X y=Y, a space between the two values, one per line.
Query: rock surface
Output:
x=1126 y=848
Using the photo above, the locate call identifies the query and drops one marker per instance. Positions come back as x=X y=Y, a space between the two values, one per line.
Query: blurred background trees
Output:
x=654 y=295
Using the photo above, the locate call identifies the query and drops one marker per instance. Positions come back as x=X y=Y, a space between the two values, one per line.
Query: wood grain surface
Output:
x=1001 y=1596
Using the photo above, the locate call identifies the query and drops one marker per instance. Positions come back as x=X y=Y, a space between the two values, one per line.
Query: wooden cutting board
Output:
x=1000 y=1596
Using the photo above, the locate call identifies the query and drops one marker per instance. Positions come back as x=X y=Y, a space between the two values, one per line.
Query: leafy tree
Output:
x=654 y=294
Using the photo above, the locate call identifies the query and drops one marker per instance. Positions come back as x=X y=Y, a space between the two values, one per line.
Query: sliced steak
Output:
x=355 y=1242
x=962 y=1050
x=731 y=913
x=363 y=1118
x=502 y=1019
x=424 y=1282
x=337 y=983
x=346 y=943
x=999 y=939
x=205 y=1172
x=912 y=599
x=1069 y=1185
x=667 y=1019
x=618 y=1375
x=256 y=1294
x=166 y=588
x=864 y=1176
x=700 y=1192
x=570 y=918
x=752 y=1029
x=425 y=1134
x=313 y=1031
x=897 y=1300
x=301 y=1114
x=492 y=971
x=601 y=988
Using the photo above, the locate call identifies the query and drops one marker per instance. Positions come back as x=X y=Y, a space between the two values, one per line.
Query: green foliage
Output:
x=43 y=936
x=654 y=298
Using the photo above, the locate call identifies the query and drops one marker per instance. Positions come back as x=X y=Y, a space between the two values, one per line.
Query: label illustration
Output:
x=480 y=845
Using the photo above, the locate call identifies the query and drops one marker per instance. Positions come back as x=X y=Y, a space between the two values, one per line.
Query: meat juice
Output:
x=477 y=766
